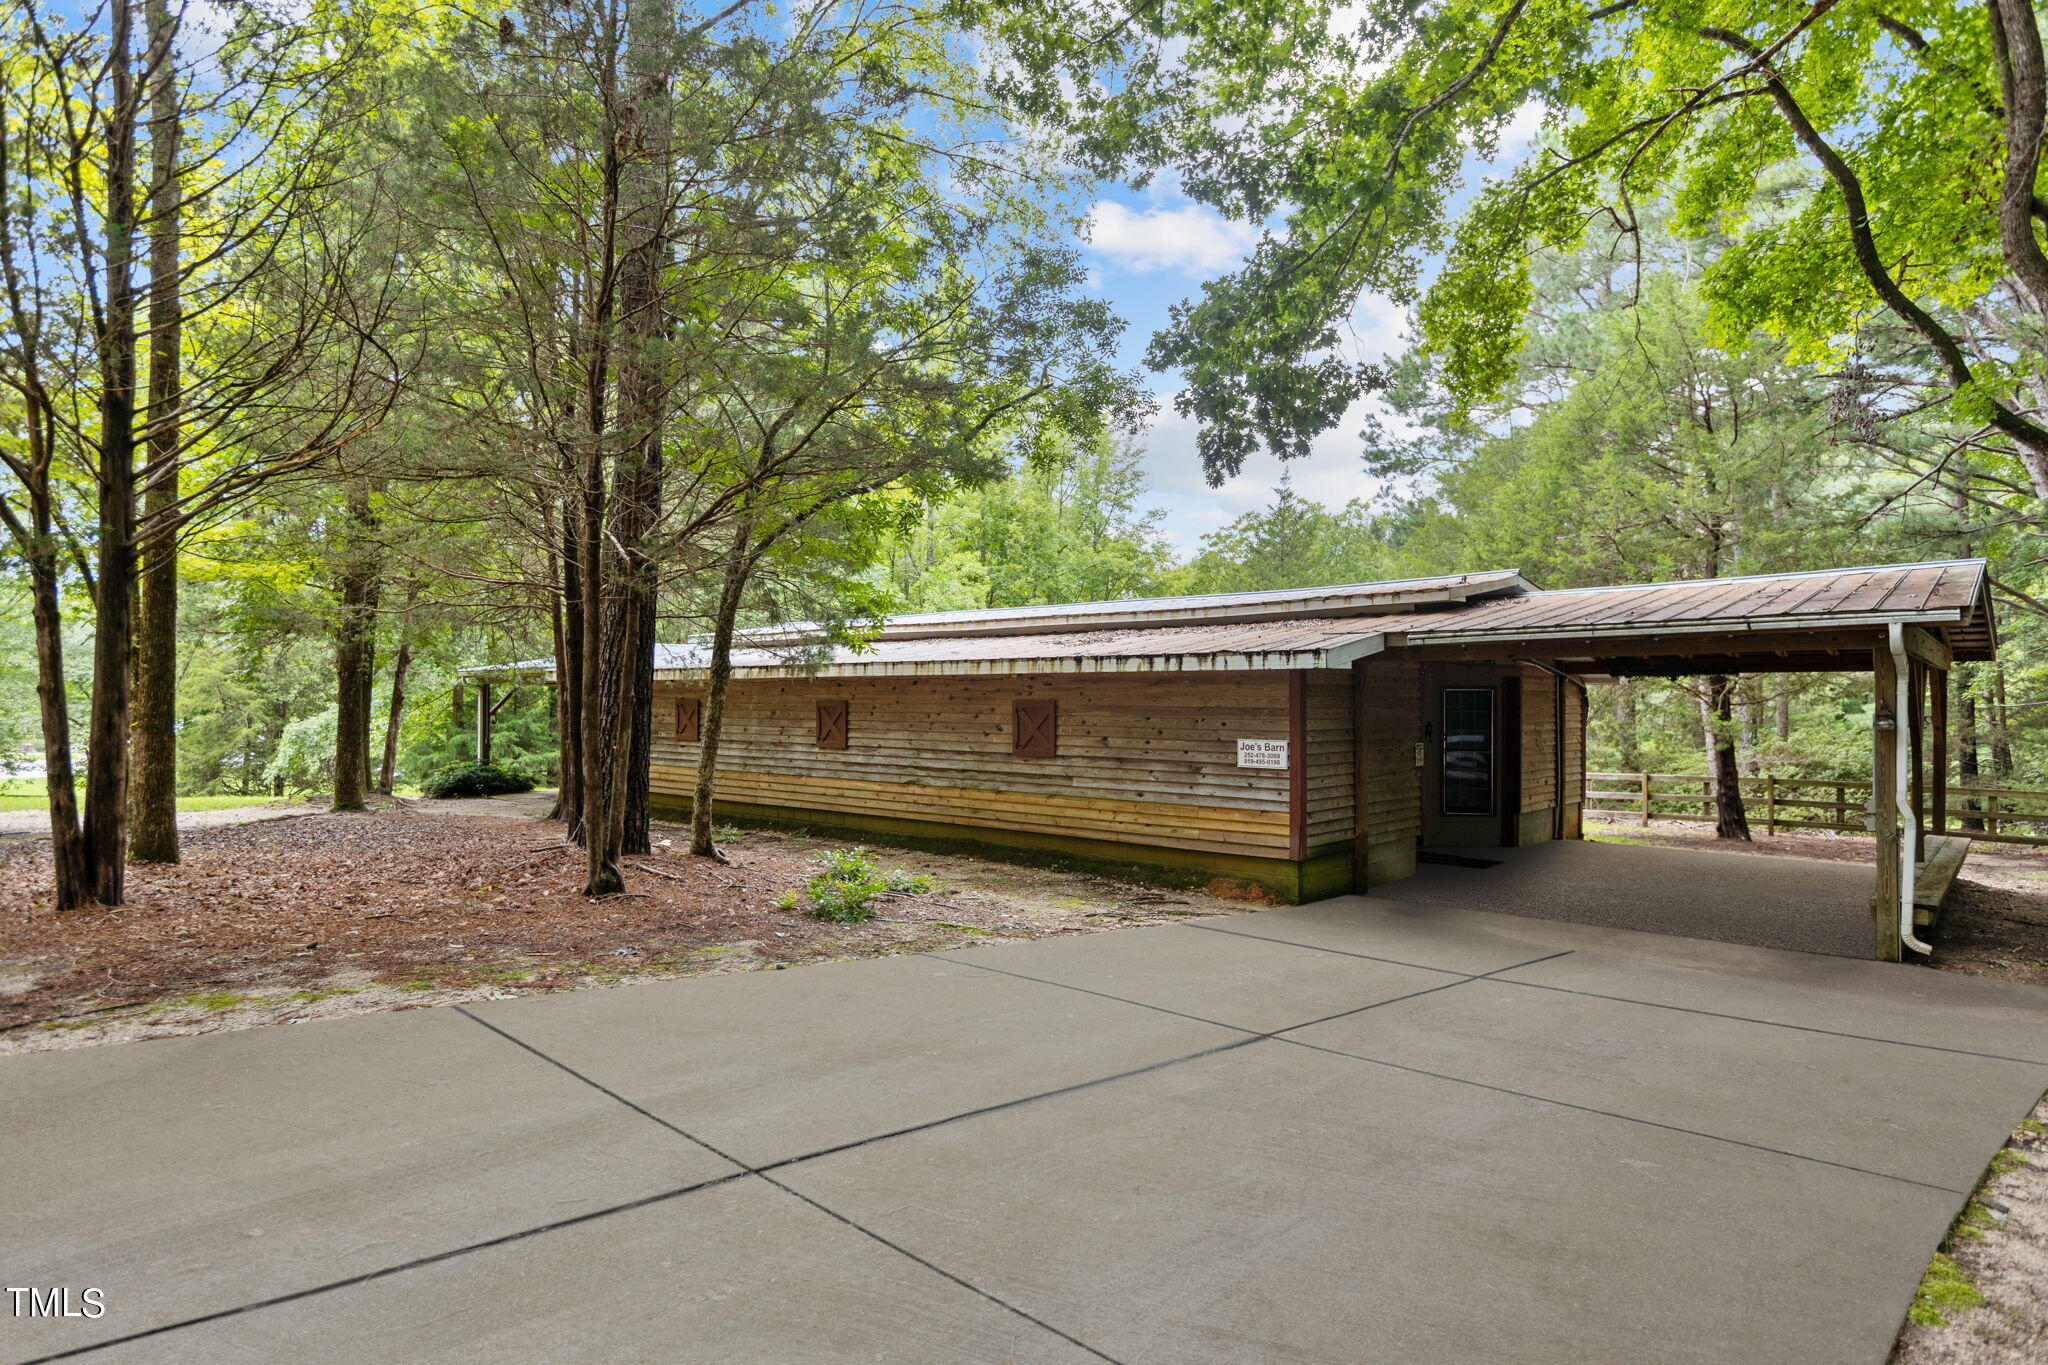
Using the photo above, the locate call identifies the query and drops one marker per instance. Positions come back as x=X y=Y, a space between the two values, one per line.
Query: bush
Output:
x=476 y=779
x=846 y=890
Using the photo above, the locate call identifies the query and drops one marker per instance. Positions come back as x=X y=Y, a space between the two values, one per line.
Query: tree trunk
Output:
x=153 y=794
x=1750 y=708
x=640 y=756
x=2001 y=731
x=1968 y=759
x=106 y=768
x=1731 y=821
x=355 y=655
x=602 y=875
x=1627 y=741
x=72 y=885
x=387 y=771
x=568 y=635
x=628 y=673
x=712 y=722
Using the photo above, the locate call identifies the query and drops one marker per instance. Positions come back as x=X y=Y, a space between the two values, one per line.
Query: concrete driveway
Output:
x=1363 y=1130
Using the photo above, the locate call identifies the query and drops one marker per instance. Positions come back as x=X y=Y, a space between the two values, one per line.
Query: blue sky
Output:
x=1149 y=249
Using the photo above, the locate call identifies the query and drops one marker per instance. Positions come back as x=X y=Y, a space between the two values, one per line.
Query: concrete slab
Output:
x=1403 y=931
x=1248 y=983
x=1156 y=1187
x=191 y=1175
x=1908 y=1112
x=1804 y=904
x=743 y=1272
x=1273 y=1203
x=769 y=1065
x=1900 y=1002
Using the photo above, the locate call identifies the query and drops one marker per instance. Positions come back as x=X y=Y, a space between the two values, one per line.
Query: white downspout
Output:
x=1902 y=783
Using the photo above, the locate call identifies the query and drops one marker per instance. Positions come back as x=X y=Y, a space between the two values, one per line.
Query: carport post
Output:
x=1937 y=720
x=1884 y=801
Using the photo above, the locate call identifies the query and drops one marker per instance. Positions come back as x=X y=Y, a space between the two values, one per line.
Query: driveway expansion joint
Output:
x=1621 y=999
x=385 y=1272
x=1776 y=1023
x=1280 y=1036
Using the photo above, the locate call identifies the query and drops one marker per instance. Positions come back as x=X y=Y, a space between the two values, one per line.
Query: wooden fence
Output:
x=2006 y=815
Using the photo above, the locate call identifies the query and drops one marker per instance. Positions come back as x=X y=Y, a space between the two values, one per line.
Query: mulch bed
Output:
x=423 y=901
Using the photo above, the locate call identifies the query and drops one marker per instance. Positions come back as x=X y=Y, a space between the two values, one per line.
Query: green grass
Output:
x=1944 y=1290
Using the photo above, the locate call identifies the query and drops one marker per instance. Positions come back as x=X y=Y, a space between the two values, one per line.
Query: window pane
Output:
x=1467 y=784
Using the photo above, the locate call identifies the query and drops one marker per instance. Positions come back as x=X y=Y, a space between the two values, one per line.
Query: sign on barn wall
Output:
x=1262 y=753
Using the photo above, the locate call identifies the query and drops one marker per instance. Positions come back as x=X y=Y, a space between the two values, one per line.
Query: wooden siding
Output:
x=1142 y=759
x=1390 y=702
x=1331 y=758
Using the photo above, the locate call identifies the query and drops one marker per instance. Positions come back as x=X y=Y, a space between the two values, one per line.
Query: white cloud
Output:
x=1194 y=239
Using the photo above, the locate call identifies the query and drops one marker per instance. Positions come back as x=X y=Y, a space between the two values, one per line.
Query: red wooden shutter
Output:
x=1034 y=729
x=831 y=725
x=689 y=720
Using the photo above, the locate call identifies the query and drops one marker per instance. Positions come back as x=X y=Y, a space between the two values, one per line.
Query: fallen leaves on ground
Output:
x=431 y=901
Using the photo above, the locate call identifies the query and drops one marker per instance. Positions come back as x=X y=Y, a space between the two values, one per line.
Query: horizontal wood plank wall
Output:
x=1142 y=759
x=1331 y=758
x=1393 y=785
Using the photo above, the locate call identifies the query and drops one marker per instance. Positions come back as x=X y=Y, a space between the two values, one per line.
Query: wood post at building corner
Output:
x=1297 y=764
x=1937 y=720
x=1884 y=802
x=1361 y=778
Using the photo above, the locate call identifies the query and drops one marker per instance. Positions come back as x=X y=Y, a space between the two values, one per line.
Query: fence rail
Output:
x=2004 y=815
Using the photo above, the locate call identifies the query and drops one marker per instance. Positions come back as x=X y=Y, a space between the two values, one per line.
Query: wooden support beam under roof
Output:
x=1803 y=651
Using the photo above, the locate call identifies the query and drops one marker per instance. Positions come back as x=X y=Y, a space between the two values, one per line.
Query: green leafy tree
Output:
x=1917 y=126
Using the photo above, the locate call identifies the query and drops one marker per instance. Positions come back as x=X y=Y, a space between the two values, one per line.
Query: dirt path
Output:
x=35 y=824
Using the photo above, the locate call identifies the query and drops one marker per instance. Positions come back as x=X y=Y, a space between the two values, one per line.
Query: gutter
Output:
x=1902 y=784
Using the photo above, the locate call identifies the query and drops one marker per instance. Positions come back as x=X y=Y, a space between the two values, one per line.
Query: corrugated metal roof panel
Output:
x=1951 y=594
x=1348 y=599
x=1315 y=643
x=1946 y=591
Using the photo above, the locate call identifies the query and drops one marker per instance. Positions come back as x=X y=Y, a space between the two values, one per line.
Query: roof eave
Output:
x=1741 y=626
x=1339 y=655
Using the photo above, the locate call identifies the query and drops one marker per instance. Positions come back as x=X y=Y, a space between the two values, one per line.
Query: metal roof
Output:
x=1347 y=599
x=1949 y=594
x=1331 y=627
x=1317 y=643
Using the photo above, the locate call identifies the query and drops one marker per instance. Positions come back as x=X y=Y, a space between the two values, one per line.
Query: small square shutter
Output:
x=689 y=720
x=831 y=725
x=1034 y=729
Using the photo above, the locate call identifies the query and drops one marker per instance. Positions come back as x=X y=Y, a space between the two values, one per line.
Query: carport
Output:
x=1905 y=625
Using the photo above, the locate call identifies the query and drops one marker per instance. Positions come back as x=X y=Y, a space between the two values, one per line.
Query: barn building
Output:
x=1311 y=741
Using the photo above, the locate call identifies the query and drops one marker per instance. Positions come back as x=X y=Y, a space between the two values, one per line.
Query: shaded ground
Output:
x=1803 y=904
x=344 y=914
x=1995 y=923
x=1985 y=1299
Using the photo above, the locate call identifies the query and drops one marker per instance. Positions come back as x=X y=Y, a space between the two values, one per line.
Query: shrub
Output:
x=476 y=779
x=846 y=890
